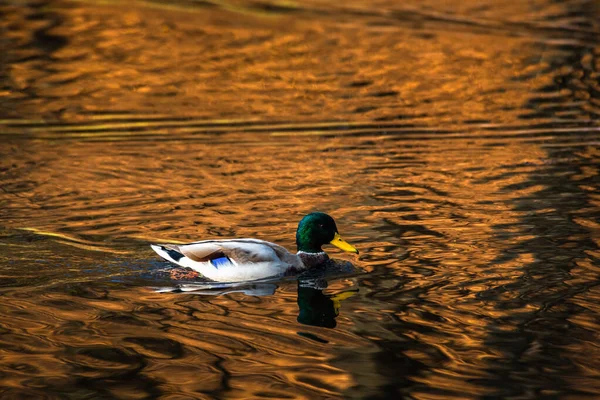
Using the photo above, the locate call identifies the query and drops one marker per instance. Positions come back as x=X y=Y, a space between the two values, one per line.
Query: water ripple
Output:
x=455 y=144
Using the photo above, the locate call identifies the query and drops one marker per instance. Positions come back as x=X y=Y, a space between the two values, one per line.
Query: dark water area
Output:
x=457 y=145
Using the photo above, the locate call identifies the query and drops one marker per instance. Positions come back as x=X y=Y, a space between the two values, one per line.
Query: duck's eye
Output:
x=321 y=226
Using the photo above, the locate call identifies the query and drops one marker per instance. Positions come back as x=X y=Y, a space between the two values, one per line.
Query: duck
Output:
x=237 y=260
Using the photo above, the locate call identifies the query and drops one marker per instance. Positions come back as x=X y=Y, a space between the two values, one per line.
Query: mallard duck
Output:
x=235 y=260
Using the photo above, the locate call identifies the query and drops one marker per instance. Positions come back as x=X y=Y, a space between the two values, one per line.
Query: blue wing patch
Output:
x=220 y=262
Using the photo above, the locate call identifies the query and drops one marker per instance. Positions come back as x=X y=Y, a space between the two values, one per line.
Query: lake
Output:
x=456 y=144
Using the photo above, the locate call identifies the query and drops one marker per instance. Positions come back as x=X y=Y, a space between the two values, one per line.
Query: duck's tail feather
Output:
x=168 y=254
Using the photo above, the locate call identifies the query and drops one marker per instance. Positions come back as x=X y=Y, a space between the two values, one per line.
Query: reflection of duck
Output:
x=250 y=259
x=317 y=308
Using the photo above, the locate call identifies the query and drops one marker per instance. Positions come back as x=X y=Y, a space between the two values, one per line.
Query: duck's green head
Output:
x=317 y=229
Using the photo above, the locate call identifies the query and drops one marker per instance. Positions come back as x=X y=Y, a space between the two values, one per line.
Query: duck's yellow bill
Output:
x=342 y=244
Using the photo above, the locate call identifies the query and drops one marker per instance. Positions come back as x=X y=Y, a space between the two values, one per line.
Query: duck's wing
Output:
x=232 y=260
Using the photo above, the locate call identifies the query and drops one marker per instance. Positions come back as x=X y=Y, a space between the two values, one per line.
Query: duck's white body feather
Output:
x=232 y=260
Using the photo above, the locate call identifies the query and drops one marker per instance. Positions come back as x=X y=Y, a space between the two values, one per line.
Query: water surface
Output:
x=455 y=143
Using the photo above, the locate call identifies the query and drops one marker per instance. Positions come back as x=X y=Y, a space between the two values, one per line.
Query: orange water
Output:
x=455 y=143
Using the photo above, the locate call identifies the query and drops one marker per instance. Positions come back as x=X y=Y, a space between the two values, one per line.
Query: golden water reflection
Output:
x=455 y=144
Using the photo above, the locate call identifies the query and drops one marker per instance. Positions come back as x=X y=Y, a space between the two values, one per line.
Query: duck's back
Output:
x=233 y=259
